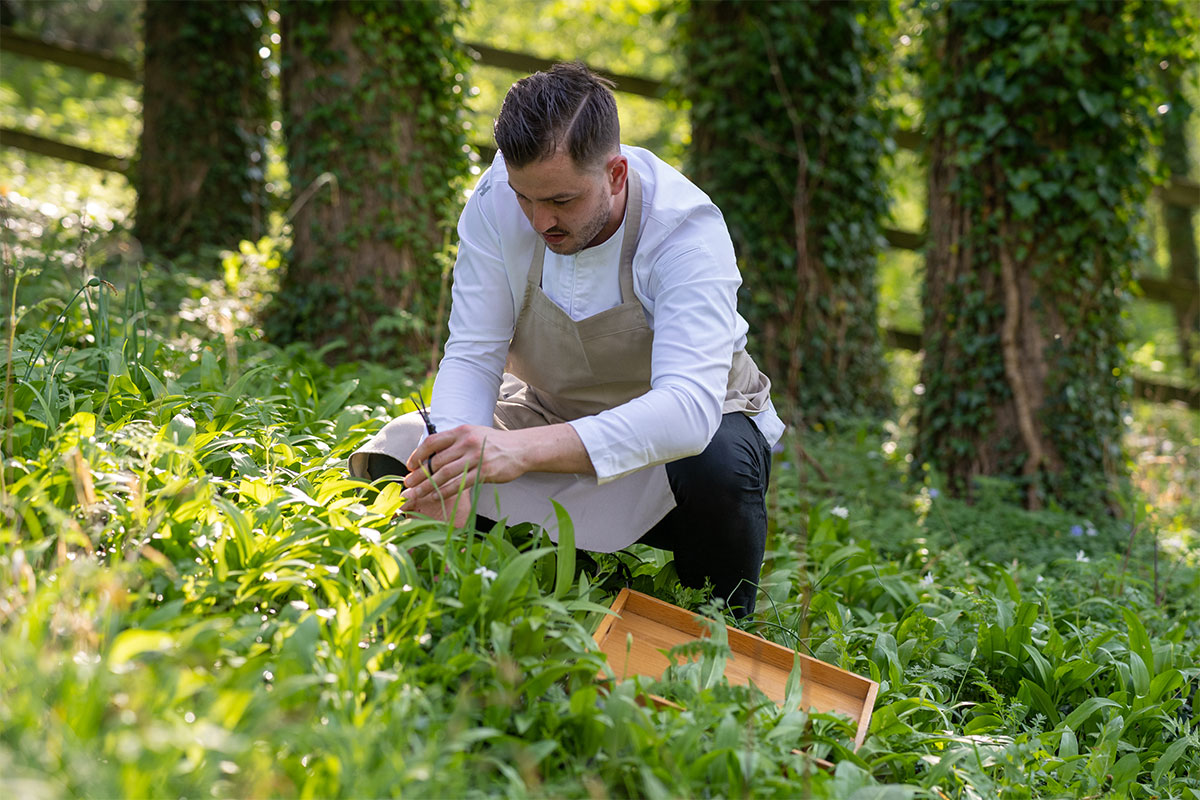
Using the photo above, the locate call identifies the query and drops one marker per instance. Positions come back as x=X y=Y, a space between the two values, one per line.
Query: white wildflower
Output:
x=1082 y=557
x=485 y=572
x=841 y=511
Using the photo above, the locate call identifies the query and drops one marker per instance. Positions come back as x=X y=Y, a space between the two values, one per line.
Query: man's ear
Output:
x=617 y=170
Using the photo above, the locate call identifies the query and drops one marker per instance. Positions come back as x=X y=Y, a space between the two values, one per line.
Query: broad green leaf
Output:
x=374 y=607
x=1086 y=709
x=256 y=491
x=885 y=655
x=84 y=422
x=388 y=501
x=336 y=398
x=1171 y=755
x=132 y=643
x=1041 y=700
x=1138 y=674
x=293 y=496
x=982 y=724
x=1010 y=586
x=793 y=693
x=233 y=395
x=156 y=386
x=565 y=552
x=180 y=430
x=1139 y=642
x=511 y=574
x=243 y=534
x=1125 y=770
x=210 y=372
x=1164 y=684
x=1038 y=666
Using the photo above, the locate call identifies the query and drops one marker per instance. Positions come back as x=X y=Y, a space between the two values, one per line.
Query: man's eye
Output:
x=560 y=202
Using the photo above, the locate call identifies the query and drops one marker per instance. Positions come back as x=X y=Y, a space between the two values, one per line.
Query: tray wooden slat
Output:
x=645 y=626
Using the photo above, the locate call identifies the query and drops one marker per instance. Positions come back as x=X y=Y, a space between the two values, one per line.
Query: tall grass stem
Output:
x=8 y=278
x=62 y=317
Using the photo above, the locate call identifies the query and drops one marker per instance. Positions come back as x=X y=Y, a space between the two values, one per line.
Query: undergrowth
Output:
x=195 y=599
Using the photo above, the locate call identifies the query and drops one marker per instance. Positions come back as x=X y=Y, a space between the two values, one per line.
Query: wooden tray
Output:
x=656 y=627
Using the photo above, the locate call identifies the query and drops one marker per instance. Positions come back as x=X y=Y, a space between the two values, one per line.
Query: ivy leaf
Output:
x=1089 y=105
x=1047 y=189
x=995 y=27
x=1023 y=204
x=992 y=122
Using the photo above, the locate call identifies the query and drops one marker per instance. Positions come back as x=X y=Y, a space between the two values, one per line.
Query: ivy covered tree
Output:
x=376 y=156
x=1179 y=220
x=205 y=111
x=1040 y=117
x=788 y=138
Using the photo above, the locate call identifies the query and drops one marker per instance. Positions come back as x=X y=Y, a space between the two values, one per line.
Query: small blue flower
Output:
x=934 y=494
x=1076 y=530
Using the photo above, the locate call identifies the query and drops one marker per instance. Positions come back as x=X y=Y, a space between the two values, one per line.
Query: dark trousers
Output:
x=718 y=528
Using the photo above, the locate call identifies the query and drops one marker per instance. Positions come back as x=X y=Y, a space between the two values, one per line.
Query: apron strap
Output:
x=633 y=224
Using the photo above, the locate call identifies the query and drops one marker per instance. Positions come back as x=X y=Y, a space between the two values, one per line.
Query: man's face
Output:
x=569 y=207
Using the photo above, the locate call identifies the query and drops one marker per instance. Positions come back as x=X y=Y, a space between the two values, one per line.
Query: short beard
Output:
x=586 y=234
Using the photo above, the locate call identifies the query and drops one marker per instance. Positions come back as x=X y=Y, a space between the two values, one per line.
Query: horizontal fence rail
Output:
x=1142 y=389
x=523 y=62
x=69 y=56
x=32 y=143
x=1177 y=191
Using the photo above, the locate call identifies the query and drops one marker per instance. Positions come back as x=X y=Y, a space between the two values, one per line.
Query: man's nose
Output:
x=543 y=218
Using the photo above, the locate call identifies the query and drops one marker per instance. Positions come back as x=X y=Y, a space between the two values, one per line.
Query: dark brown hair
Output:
x=567 y=106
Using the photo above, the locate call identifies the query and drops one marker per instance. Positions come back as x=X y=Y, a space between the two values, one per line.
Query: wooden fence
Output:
x=1180 y=192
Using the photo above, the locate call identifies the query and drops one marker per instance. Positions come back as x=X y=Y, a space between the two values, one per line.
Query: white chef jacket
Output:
x=685 y=275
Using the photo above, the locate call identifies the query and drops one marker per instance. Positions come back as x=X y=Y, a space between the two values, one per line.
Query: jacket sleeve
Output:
x=468 y=379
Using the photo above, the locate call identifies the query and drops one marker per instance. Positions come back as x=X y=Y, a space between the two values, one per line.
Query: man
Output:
x=596 y=356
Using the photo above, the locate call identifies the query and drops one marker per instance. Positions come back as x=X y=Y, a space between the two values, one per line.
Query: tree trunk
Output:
x=787 y=140
x=372 y=96
x=1036 y=182
x=204 y=116
x=1180 y=224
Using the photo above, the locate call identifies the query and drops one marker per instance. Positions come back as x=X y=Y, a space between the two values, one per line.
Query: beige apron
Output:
x=579 y=368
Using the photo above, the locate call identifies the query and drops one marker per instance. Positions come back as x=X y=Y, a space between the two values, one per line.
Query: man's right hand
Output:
x=470 y=454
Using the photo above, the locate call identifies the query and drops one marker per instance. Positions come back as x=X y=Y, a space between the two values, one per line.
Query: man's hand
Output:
x=468 y=454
